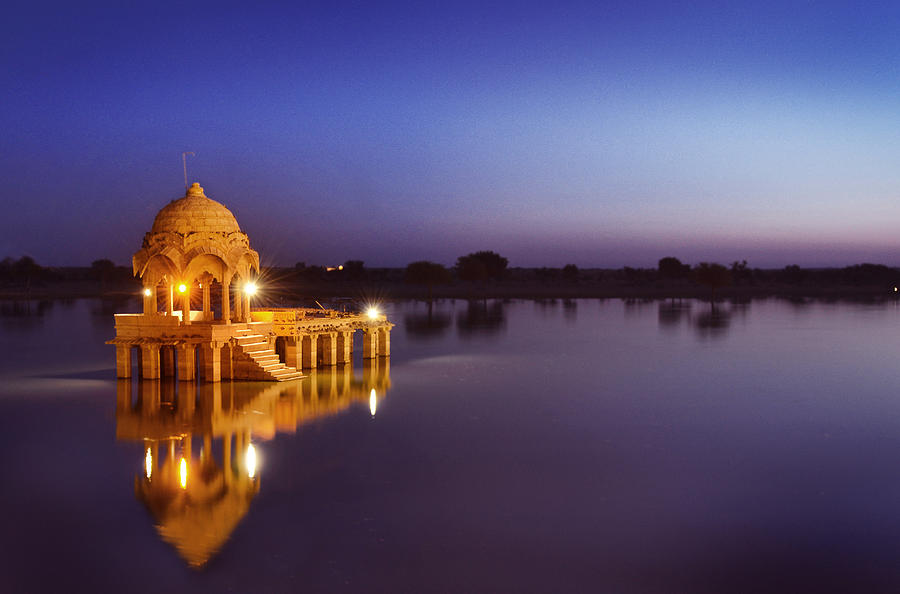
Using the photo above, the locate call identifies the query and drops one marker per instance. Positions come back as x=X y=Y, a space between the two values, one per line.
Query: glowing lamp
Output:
x=147 y=292
x=372 y=312
x=250 y=289
x=182 y=288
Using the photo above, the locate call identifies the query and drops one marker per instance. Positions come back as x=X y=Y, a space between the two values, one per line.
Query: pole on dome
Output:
x=184 y=165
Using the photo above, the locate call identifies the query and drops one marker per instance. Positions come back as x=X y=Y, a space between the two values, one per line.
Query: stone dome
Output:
x=194 y=213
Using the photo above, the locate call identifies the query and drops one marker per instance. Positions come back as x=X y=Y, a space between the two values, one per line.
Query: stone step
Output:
x=247 y=338
x=255 y=347
x=263 y=356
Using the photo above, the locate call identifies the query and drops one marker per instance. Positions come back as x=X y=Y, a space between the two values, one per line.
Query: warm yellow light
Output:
x=182 y=288
x=147 y=292
x=250 y=461
x=372 y=312
x=183 y=473
x=250 y=289
x=341 y=267
x=148 y=463
x=895 y=289
x=373 y=402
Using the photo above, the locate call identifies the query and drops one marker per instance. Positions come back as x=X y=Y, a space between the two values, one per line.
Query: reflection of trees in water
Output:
x=634 y=306
x=23 y=315
x=570 y=310
x=427 y=325
x=714 y=322
x=672 y=313
x=481 y=317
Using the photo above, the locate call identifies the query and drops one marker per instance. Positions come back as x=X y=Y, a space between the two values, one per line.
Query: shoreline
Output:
x=386 y=290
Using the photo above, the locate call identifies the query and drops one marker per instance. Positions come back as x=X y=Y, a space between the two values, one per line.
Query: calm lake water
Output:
x=565 y=446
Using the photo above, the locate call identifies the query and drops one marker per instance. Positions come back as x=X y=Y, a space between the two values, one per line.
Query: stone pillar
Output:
x=329 y=348
x=384 y=342
x=187 y=361
x=212 y=362
x=247 y=317
x=344 y=344
x=150 y=361
x=292 y=351
x=170 y=301
x=167 y=356
x=238 y=316
x=226 y=300
x=226 y=361
x=186 y=306
x=207 y=311
x=310 y=356
x=123 y=361
x=150 y=301
x=370 y=343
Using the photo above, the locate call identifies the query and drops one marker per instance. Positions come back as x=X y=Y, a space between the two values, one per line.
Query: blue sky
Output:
x=601 y=134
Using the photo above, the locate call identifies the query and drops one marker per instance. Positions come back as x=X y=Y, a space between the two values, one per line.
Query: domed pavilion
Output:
x=196 y=251
x=196 y=243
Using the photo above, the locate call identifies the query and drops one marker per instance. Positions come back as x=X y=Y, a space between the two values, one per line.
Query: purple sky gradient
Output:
x=600 y=134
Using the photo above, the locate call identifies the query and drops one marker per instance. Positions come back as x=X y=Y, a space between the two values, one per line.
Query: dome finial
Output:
x=195 y=190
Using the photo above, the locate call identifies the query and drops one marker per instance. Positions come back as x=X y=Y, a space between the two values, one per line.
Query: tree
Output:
x=570 y=272
x=712 y=275
x=426 y=274
x=354 y=268
x=670 y=267
x=481 y=265
x=101 y=270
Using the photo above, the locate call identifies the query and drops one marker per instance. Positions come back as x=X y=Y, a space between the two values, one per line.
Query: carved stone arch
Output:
x=157 y=268
x=210 y=263
x=207 y=249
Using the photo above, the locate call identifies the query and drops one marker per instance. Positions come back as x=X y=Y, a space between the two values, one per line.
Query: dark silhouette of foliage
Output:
x=740 y=273
x=712 y=275
x=426 y=274
x=354 y=268
x=570 y=272
x=670 y=267
x=868 y=274
x=102 y=270
x=792 y=275
x=481 y=266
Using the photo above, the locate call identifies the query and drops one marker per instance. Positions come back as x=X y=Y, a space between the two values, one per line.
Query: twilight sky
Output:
x=598 y=133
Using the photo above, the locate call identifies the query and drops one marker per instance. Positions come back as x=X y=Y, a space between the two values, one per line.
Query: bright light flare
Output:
x=148 y=463
x=147 y=292
x=182 y=288
x=250 y=461
x=183 y=472
x=250 y=289
x=372 y=312
x=373 y=401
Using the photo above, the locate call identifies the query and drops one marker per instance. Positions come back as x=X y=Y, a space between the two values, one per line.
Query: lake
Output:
x=555 y=446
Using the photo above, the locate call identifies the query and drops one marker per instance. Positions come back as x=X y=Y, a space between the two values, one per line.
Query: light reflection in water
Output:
x=251 y=461
x=198 y=501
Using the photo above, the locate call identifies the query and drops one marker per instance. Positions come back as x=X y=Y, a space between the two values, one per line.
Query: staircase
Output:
x=253 y=359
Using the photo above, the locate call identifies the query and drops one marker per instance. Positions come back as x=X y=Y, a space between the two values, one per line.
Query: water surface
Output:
x=586 y=445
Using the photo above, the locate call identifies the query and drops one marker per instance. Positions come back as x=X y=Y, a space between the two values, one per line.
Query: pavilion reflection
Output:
x=198 y=472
